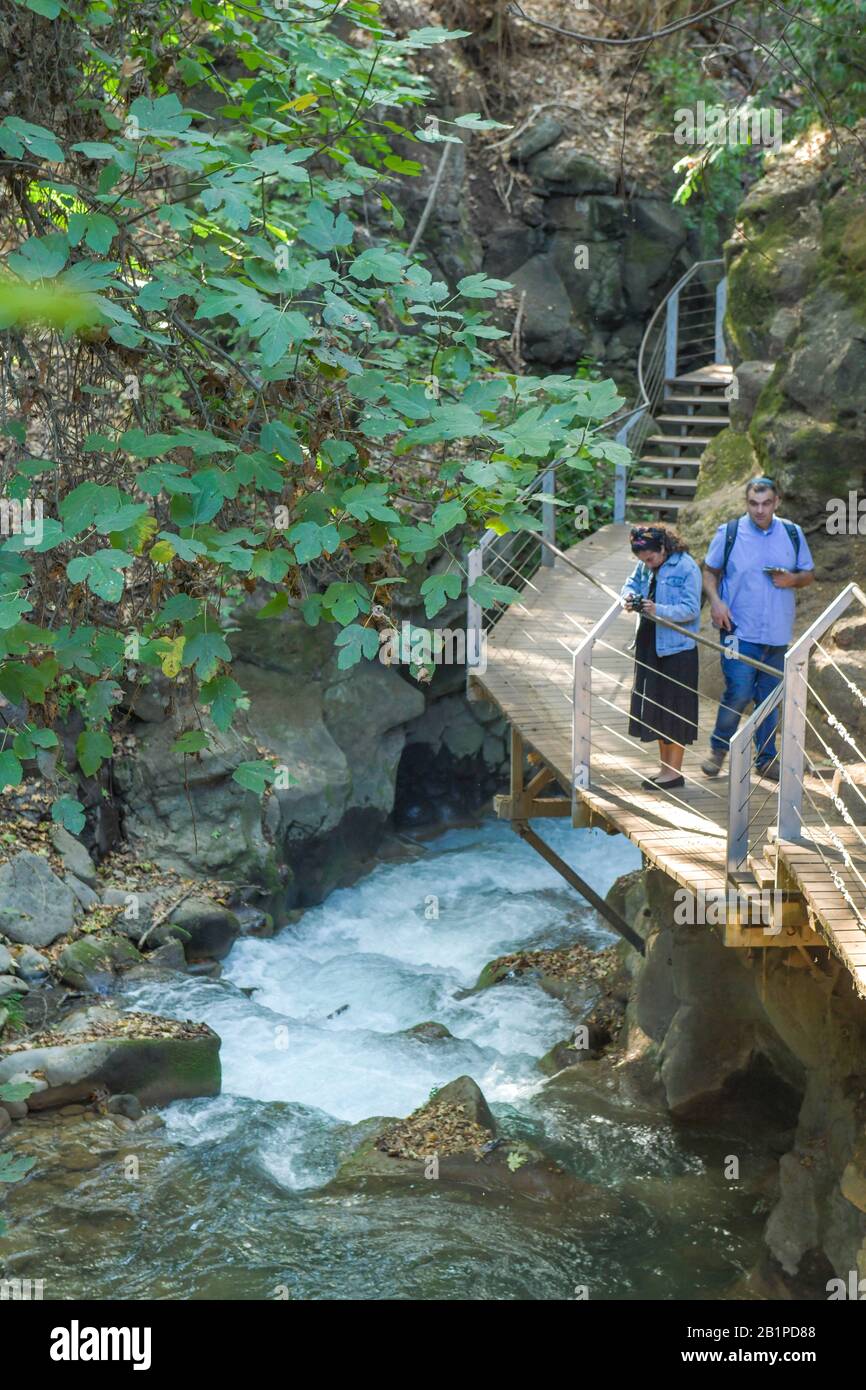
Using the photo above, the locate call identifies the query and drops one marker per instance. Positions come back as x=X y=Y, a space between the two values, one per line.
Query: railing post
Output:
x=740 y=782
x=474 y=570
x=581 y=717
x=721 y=307
x=620 y=470
x=548 y=517
x=672 y=334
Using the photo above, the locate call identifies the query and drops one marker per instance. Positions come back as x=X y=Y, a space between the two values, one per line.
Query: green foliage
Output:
x=253 y=383
x=811 y=69
x=14 y=1016
x=14 y=1169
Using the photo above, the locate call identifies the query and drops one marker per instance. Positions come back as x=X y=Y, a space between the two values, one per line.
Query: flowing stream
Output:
x=232 y=1199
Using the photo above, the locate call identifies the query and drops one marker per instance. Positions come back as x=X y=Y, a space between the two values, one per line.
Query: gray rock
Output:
x=254 y=922
x=37 y=907
x=169 y=956
x=509 y=245
x=7 y=960
x=115 y=897
x=205 y=969
x=547 y=310
x=10 y=984
x=340 y=734
x=93 y=961
x=660 y=221
x=5 y=1120
x=209 y=930
x=32 y=965
x=86 y=896
x=568 y=169
x=540 y=136
x=155 y=1070
x=130 y=1106
x=82 y=1020
x=17 y=1108
x=75 y=858
x=646 y=262
x=750 y=378
x=429 y=1031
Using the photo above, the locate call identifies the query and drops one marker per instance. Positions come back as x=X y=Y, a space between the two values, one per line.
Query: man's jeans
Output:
x=743 y=684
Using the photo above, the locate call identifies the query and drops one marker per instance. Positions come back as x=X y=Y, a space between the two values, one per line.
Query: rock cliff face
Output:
x=551 y=204
x=721 y=1029
x=356 y=745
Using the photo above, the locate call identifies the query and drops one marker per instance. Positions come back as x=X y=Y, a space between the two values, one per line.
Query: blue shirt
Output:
x=678 y=598
x=761 y=612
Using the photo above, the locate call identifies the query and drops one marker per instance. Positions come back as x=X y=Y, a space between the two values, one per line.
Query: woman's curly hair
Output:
x=658 y=537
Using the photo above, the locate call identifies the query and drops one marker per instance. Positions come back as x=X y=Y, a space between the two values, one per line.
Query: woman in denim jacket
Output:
x=666 y=583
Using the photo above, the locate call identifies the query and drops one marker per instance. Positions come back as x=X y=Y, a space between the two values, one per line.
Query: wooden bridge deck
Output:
x=529 y=677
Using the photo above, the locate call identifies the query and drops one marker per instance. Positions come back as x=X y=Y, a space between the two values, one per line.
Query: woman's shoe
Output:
x=652 y=784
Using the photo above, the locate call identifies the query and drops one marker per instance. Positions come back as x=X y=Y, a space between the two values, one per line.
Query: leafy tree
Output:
x=245 y=379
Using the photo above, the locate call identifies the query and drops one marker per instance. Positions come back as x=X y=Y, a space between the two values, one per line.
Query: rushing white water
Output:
x=236 y=1200
x=315 y=1015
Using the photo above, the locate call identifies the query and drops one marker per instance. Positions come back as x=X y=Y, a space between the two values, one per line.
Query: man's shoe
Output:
x=769 y=772
x=712 y=764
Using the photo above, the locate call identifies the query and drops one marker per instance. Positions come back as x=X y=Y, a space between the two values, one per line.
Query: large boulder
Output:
x=338 y=733
x=91 y=962
x=453 y=1138
x=548 y=330
x=35 y=906
x=157 y=1060
x=75 y=858
x=208 y=931
x=569 y=169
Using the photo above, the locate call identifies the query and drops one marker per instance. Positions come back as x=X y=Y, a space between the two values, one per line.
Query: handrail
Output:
x=683 y=280
x=794 y=713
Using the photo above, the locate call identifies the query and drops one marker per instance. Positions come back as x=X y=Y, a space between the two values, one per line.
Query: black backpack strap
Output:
x=794 y=537
x=730 y=539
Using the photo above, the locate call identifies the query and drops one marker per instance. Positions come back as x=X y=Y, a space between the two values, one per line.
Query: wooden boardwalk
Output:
x=684 y=833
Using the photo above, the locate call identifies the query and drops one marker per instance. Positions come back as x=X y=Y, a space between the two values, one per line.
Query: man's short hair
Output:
x=761 y=484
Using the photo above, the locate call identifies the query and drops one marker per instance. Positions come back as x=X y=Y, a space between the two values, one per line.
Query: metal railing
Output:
x=686 y=331
x=821 y=825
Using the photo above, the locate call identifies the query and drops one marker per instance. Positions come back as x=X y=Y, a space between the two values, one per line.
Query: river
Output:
x=231 y=1201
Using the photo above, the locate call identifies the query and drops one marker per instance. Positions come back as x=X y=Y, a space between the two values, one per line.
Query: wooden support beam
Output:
x=746 y=937
x=565 y=871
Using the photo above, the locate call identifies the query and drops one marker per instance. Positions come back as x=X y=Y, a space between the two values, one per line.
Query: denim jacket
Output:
x=678 y=597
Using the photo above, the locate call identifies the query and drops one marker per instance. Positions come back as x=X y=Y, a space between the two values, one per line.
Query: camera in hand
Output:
x=635 y=603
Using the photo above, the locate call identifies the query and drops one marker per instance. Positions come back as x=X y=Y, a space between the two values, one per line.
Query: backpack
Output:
x=731 y=536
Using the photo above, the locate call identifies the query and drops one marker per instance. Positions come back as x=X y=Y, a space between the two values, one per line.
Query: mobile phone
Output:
x=776 y=569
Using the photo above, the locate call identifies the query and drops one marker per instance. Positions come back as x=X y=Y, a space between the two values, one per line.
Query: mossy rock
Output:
x=91 y=962
x=208 y=931
x=156 y=1070
x=503 y=1165
x=727 y=459
x=843 y=248
x=429 y=1031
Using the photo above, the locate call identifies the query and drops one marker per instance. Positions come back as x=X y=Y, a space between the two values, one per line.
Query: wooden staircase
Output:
x=693 y=410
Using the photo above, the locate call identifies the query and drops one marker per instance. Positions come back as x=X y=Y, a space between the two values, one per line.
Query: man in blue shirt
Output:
x=753 y=607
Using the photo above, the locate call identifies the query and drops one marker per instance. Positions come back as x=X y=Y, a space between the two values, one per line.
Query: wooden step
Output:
x=701 y=439
x=657 y=504
x=665 y=461
x=690 y=419
x=680 y=483
x=765 y=876
x=678 y=399
x=715 y=374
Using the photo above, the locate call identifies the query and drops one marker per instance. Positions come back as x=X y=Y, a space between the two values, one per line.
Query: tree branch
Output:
x=515 y=10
